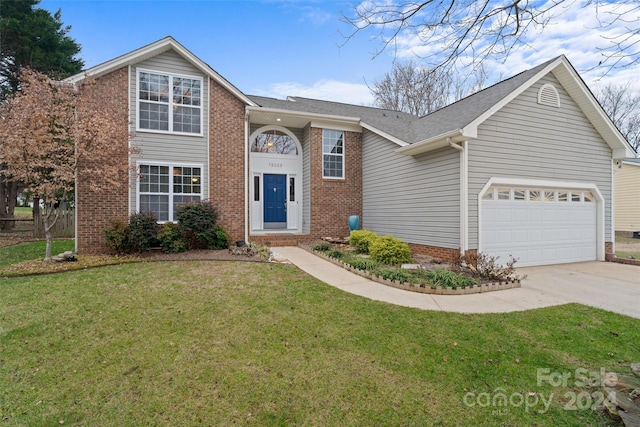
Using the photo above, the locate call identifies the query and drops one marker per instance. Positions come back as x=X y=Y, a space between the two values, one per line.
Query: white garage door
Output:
x=538 y=226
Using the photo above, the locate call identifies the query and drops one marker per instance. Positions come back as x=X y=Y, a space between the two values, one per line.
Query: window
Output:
x=575 y=196
x=519 y=194
x=162 y=188
x=563 y=196
x=332 y=154
x=549 y=196
x=535 y=196
x=504 y=193
x=169 y=103
x=292 y=189
x=488 y=195
x=274 y=142
x=256 y=188
x=588 y=196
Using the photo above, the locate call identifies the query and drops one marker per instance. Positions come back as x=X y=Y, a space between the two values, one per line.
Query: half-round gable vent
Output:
x=548 y=95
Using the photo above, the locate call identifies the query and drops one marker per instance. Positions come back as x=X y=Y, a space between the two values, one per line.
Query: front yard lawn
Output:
x=220 y=343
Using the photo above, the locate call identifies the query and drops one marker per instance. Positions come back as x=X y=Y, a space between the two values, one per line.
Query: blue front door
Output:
x=275 y=201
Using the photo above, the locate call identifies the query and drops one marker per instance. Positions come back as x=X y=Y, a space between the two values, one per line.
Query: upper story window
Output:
x=332 y=153
x=168 y=103
x=274 y=142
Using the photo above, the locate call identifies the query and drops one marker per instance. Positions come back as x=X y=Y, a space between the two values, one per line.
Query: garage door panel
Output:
x=538 y=232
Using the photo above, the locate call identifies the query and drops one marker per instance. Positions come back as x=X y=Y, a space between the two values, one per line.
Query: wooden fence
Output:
x=64 y=227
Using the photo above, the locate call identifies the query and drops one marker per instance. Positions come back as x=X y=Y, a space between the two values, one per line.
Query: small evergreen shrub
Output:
x=390 y=250
x=217 y=238
x=170 y=238
x=143 y=228
x=362 y=240
x=118 y=236
x=197 y=224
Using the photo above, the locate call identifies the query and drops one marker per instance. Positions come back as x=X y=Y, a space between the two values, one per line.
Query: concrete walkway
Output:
x=614 y=287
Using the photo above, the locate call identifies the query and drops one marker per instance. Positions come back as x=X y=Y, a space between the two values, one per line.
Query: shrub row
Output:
x=386 y=249
x=196 y=229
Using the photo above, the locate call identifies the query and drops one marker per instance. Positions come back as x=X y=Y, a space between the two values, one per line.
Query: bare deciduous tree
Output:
x=478 y=29
x=48 y=131
x=417 y=90
x=623 y=107
x=412 y=89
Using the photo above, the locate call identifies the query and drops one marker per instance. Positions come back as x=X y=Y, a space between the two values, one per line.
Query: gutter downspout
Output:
x=246 y=176
x=464 y=194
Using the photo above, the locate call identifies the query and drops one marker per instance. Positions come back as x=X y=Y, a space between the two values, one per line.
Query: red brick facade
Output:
x=334 y=200
x=226 y=159
x=96 y=209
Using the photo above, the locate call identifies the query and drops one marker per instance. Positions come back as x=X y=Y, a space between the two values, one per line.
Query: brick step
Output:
x=282 y=240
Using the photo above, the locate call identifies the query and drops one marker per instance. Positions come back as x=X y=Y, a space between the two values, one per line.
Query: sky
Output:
x=281 y=48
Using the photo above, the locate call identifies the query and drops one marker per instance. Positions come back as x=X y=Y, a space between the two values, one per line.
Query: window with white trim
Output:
x=168 y=103
x=332 y=153
x=162 y=188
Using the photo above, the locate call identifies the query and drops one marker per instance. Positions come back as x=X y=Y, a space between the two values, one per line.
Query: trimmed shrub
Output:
x=390 y=250
x=362 y=240
x=143 y=228
x=118 y=237
x=170 y=238
x=197 y=224
x=217 y=238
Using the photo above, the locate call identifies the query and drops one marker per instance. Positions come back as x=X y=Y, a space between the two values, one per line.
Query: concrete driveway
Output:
x=607 y=285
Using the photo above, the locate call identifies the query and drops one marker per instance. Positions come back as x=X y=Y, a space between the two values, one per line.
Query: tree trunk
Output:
x=8 y=201
x=3 y=201
x=49 y=219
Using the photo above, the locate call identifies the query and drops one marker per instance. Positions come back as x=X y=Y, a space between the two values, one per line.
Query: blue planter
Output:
x=354 y=222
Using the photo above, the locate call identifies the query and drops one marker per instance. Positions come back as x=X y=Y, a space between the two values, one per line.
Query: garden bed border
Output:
x=475 y=289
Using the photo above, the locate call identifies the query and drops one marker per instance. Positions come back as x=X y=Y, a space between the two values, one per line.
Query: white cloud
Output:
x=328 y=90
x=578 y=31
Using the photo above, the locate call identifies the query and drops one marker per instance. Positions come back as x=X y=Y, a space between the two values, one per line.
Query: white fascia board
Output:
x=152 y=50
x=589 y=104
x=303 y=114
x=385 y=135
x=434 y=143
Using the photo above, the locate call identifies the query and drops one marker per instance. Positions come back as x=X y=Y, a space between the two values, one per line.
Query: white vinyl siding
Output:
x=414 y=198
x=627 y=191
x=529 y=140
x=169 y=148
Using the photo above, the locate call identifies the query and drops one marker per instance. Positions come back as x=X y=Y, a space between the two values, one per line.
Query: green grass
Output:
x=31 y=251
x=23 y=212
x=220 y=343
x=627 y=254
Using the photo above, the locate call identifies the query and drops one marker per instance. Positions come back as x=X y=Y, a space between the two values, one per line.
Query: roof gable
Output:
x=152 y=50
x=460 y=120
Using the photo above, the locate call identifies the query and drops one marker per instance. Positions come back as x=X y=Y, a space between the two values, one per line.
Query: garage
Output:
x=539 y=226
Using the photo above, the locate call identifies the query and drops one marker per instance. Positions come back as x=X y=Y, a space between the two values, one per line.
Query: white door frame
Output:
x=278 y=164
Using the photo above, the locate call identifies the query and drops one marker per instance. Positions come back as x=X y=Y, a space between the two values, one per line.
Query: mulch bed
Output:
x=200 y=255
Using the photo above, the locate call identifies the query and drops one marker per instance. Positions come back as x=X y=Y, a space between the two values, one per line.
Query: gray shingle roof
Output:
x=408 y=127
x=392 y=122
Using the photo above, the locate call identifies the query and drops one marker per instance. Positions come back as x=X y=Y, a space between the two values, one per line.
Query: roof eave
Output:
x=435 y=143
